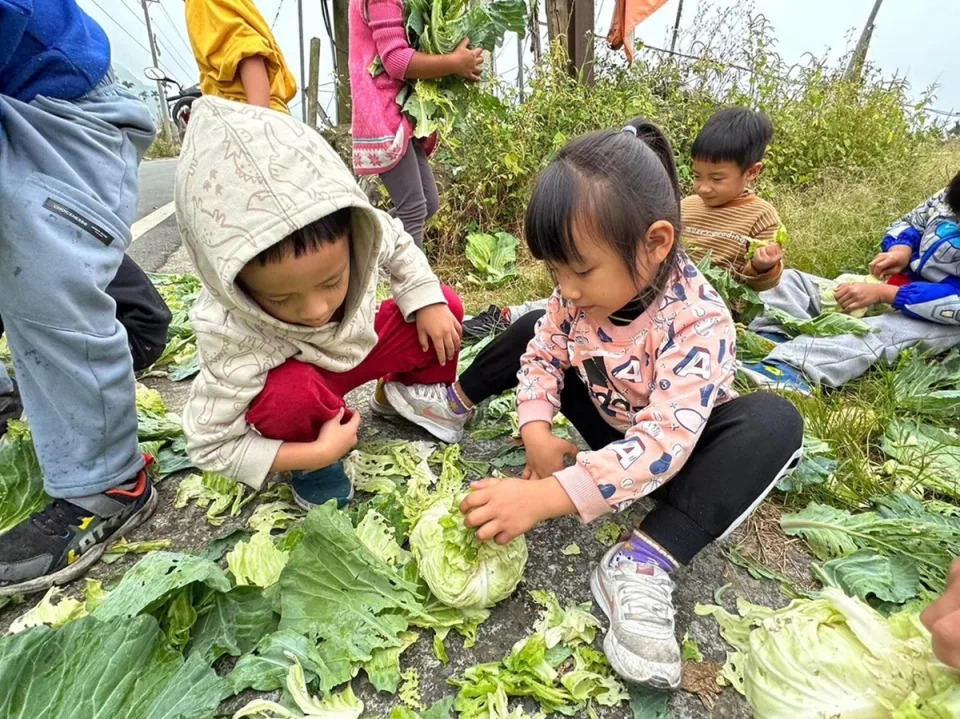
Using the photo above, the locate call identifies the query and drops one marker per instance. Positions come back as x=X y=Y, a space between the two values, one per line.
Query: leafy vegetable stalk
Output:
x=437 y=27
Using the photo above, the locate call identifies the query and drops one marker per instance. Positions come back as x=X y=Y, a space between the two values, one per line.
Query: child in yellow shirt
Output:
x=239 y=58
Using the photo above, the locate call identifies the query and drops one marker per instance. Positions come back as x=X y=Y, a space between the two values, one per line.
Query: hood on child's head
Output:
x=247 y=178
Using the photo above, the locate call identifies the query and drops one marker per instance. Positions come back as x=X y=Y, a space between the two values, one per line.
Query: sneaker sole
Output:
x=88 y=559
x=616 y=654
x=381 y=410
x=444 y=434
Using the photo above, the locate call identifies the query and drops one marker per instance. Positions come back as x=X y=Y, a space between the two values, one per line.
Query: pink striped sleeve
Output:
x=389 y=35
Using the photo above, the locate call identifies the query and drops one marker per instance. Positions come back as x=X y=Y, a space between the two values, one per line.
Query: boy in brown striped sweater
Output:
x=724 y=217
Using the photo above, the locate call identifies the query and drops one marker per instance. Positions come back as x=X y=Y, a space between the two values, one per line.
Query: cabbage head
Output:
x=828 y=302
x=460 y=570
x=834 y=656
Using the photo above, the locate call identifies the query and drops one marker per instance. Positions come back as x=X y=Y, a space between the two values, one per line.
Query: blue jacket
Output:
x=50 y=47
x=933 y=293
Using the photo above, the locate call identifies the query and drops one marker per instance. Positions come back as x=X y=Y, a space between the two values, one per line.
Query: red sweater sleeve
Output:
x=390 y=37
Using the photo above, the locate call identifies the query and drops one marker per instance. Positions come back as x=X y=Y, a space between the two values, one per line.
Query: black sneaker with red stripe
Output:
x=60 y=543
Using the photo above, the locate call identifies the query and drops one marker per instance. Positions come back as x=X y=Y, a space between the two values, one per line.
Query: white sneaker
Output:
x=426 y=405
x=641 y=643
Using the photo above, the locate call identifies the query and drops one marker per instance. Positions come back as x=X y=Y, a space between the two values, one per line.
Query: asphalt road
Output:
x=156 y=240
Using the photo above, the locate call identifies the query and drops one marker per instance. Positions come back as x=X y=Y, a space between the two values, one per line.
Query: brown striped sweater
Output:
x=725 y=232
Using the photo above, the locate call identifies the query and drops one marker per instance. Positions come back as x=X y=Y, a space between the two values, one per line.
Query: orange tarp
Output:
x=626 y=16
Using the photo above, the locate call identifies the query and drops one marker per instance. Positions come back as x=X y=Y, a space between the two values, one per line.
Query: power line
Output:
x=174 y=57
x=117 y=23
x=171 y=52
x=132 y=12
x=276 y=15
x=176 y=29
x=140 y=20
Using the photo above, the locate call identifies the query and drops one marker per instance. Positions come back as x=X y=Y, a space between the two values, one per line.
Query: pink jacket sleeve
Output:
x=542 y=366
x=691 y=369
x=390 y=36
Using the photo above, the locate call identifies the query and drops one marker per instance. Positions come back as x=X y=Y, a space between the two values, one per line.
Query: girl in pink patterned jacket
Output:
x=637 y=350
x=381 y=63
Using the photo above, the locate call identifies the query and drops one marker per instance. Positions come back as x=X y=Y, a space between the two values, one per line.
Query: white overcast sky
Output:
x=915 y=38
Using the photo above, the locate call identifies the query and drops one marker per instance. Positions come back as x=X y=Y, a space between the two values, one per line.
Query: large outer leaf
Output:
x=384 y=669
x=488 y=22
x=865 y=573
x=495 y=256
x=900 y=526
x=265 y=669
x=153 y=578
x=751 y=347
x=931 y=455
x=103 y=670
x=335 y=589
x=926 y=386
x=828 y=325
x=152 y=426
x=430 y=106
x=233 y=623
x=743 y=301
x=256 y=561
x=829 y=531
x=817 y=465
x=21 y=480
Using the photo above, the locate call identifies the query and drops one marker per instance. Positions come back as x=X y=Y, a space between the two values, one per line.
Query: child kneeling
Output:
x=289 y=249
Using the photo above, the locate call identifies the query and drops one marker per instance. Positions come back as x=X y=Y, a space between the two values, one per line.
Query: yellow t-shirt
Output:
x=224 y=32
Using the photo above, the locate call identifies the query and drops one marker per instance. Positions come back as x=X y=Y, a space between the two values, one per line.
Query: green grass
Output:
x=836 y=225
x=533 y=282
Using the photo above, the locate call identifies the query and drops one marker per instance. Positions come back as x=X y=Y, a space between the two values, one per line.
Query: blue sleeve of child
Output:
x=931 y=301
x=14 y=16
x=902 y=235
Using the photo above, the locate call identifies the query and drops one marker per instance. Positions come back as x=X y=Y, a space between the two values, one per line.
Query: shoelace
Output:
x=430 y=393
x=53 y=518
x=645 y=598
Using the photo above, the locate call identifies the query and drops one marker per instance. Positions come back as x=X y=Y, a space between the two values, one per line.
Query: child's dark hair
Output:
x=734 y=134
x=614 y=184
x=325 y=231
x=953 y=194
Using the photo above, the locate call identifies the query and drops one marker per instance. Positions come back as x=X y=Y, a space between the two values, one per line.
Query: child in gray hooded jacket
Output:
x=289 y=249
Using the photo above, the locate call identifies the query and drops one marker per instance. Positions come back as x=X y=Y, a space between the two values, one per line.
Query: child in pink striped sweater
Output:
x=636 y=349
x=383 y=141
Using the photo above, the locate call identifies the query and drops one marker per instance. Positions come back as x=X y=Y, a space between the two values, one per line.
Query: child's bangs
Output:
x=552 y=214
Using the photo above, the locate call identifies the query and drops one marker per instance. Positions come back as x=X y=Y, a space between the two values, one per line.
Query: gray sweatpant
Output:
x=413 y=190
x=833 y=361
x=68 y=193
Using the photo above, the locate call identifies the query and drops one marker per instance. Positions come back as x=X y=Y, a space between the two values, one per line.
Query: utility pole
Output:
x=520 y=65
x=580 y=39
x=860 y=51
x=303 y=75
x=161 y=90
x=676 y=27
x=313 y=83
x=341 y=33
x=535 y=31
